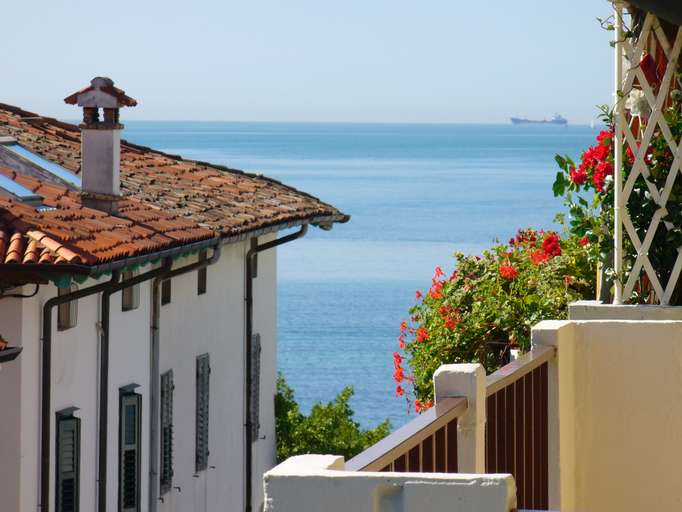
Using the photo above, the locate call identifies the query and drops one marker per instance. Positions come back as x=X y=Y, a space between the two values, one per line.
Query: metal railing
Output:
x=517 y=425
x=426 y=444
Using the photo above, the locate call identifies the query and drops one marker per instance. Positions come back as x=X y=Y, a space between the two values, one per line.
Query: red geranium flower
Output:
x=584 y=241
x=578 y=176
x=418 y=295
x=538 y=257
x=422 y=335
x=551 y=245
x=399 y=391
x=508 y=272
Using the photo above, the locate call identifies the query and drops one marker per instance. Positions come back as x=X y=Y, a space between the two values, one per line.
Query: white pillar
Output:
x=468 y=381
x=619 y=116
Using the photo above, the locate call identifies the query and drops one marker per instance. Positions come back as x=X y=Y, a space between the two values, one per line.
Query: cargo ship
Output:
x=557 y=119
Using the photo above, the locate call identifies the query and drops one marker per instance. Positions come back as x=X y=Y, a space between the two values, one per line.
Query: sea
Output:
x=416 y=193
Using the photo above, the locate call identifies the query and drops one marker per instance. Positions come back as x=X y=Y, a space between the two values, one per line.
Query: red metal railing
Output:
x=426 y=444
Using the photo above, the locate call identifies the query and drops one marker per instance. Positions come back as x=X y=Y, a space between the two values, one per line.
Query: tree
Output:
x=329 y=429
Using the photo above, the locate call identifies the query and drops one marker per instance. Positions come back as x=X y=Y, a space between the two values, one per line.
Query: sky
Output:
x=313 y=60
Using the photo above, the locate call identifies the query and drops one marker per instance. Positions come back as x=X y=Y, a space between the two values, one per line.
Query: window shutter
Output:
x=255 y=386
x=202 y=403
x=68 y=463
x=167 y=387
x=129 y=452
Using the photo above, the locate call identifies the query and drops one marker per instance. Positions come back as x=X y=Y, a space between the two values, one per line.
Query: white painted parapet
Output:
x=312 y=483
x=466 y=380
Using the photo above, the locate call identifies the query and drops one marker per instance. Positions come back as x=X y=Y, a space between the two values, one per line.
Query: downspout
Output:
x=46 y=381
x=104 y=375
x=154 y=372
x=250 y=256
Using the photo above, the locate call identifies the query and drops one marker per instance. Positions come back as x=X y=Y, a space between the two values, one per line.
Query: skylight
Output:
x=18 y=191
x=51 y=167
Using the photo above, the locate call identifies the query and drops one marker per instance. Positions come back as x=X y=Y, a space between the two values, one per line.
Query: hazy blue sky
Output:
x=313 y=60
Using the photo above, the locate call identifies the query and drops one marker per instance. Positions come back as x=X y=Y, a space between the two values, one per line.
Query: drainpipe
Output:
x=154 y=372
x=46 y=381
x=250 y=258
x=104 y=375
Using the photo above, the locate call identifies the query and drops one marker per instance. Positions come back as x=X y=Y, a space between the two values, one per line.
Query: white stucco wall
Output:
x=619 y=414
x=319 y=483
x=190 y=325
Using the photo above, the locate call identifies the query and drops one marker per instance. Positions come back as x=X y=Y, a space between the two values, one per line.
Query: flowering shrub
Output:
x=488 y=305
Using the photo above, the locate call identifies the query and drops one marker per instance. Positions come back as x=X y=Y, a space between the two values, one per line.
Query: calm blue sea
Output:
x=416 y=194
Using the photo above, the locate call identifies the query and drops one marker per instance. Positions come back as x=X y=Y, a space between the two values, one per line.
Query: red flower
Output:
x=418 y=407
x=508 y=272
x=538 y=257
x=399 y=391
x=605 y=137
x=603 y=170
x=401 y=341
x=453 y=276
x=568 y=280
x=397 y=360
x=584 y=241
x=422 y=335
x=451 y=323
x=434 y=292
x=418 y=295
x=403 y=327
x=578 y=176
x=551 y=245
x=438 y=273
x=398 y=375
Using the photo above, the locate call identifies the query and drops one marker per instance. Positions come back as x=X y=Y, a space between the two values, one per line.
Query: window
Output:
x=130 y=296
x=68 y=463
x=166 y=431
x=130 y=423
x=202 y=275
x=166 y=292
x=67 y=313
x=255 y=386
x=202 y=402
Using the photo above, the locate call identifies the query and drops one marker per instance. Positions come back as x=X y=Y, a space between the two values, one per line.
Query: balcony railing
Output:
x=516 y=432
x=424 y=445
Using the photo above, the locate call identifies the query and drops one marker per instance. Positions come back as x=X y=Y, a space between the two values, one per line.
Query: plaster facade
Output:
x=190 y=325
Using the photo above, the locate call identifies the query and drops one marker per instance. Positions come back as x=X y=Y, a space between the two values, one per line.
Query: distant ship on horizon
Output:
x=556 y=119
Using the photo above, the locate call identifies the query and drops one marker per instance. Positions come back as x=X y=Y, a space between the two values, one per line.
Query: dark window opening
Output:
x=68 y=463
x=165 y=292
x=67 y=313
x=130 y=296
x=130 y=422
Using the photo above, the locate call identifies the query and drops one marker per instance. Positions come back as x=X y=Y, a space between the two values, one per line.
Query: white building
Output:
x=140 y=291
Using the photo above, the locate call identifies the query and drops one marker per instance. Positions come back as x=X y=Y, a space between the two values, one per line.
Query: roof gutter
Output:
x=248 y=349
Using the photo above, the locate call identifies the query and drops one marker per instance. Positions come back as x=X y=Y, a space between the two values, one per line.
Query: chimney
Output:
x=101 y=142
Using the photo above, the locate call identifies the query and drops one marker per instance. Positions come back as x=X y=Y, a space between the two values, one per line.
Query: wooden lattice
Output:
x=630 y=133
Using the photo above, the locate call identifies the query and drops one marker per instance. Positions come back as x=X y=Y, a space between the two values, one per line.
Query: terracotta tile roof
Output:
x=167 y=202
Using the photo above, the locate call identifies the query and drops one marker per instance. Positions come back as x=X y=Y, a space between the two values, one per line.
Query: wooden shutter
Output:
x=68 y=463
x=255 y=386
x=202 y=275
x=167 y=388
x=129 y=452
x=202 y=403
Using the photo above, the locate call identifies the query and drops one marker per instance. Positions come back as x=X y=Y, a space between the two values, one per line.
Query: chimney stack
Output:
x=101 y=142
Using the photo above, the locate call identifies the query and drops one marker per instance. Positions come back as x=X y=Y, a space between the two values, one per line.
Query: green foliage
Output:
x=329 y=429
x=489 y=304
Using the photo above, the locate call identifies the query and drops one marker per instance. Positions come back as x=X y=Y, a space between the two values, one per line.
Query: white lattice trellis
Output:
x=629 y=75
